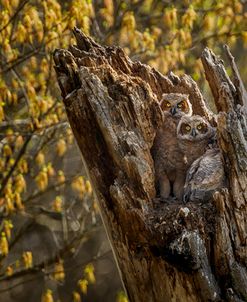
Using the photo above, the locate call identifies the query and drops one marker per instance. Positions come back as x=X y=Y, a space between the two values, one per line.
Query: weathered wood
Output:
x=230 y=247
x=165 y=252
x=241 y=95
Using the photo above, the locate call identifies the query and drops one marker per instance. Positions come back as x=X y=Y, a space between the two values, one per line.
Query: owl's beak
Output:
x=193 y=132
x=173 y=111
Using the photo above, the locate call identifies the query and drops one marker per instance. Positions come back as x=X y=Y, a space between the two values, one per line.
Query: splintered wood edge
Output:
x=66 y=70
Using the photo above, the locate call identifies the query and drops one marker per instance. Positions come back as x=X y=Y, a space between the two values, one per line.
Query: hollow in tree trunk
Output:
x=165 y=251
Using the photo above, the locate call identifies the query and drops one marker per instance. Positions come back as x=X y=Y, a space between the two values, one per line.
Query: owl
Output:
x=204 y=177
x=168 y=158
x=194 y=135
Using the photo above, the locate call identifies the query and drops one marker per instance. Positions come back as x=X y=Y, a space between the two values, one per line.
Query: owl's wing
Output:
x=189 y=183
x=205 y=175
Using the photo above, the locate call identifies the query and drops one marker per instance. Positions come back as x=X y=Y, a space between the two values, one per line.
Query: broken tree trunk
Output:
x=165 y=252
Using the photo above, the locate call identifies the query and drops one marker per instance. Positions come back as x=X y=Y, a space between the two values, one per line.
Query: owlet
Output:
x=204 y=177
x=168 y=158
x=194 y=135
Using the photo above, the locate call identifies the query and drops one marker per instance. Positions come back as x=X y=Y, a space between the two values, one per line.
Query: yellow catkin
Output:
x=9 y=134
x=18 y=202
x=8 y=226
x=238 y=7
x=129 y=21
x=59 y=273
x=20 y=184
x=40 y=158
x=121 y=297
x=1 y=113
x=50 y=170
x=83 y=283
x=7 y=151
x=244 y=36
x=88 y=187
x=61 y=147
x=208 y=22
x=2 y=202
x=43 y=106
x=57 y=204
x=69 y=136
x=76 y=297
x=4 y=246
x=89 y=273
x=170 y=17
x=27 y=259
x=8 y=190
x=6 y=4
x=42 y=179
x=47 y=296
x=78 y=185
x=19 y=141
x=9 y=271
x=20 y=33
x=189 y=17
x=23 y=166
x=60 y=177
x=17 y=264
x=9 y=205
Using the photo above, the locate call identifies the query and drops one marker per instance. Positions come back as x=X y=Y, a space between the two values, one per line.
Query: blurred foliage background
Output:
x=52 y=243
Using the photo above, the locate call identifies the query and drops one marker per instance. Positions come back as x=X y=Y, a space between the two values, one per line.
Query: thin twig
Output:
x=12 y=169
x=21 y=6
x=61 y=253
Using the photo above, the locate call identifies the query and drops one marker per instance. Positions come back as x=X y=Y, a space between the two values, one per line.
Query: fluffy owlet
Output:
x=204 y=177
x=194 y=134
x=168 y=158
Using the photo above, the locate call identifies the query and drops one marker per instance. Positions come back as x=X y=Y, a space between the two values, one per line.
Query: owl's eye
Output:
x=180 y=105
x=187 y=128
x=199 y=127
x=168 y=105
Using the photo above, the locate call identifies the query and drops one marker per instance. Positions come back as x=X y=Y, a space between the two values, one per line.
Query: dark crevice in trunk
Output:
x=165 y=251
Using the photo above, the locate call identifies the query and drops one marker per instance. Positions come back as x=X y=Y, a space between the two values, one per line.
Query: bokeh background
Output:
x=53 y=246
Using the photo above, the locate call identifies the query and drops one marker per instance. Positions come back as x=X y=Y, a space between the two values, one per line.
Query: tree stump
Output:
x=165 y=251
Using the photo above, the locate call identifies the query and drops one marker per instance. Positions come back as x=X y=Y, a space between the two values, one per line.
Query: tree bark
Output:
x=165 y=252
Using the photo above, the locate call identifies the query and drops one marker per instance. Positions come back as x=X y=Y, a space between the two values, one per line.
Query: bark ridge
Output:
x=165 y=252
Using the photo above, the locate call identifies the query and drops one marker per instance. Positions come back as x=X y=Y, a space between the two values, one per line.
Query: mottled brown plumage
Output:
x=169 y=161
x=205 y=176
x=194 y=135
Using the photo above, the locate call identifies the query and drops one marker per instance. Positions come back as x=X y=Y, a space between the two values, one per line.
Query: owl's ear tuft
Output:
x=164 y=96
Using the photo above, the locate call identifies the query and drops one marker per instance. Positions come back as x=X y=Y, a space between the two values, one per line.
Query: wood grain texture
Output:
x=165 y=252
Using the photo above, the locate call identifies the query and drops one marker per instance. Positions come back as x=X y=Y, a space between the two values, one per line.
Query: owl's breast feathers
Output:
x=205 y=176
x=194 y=149
x=166 y=152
